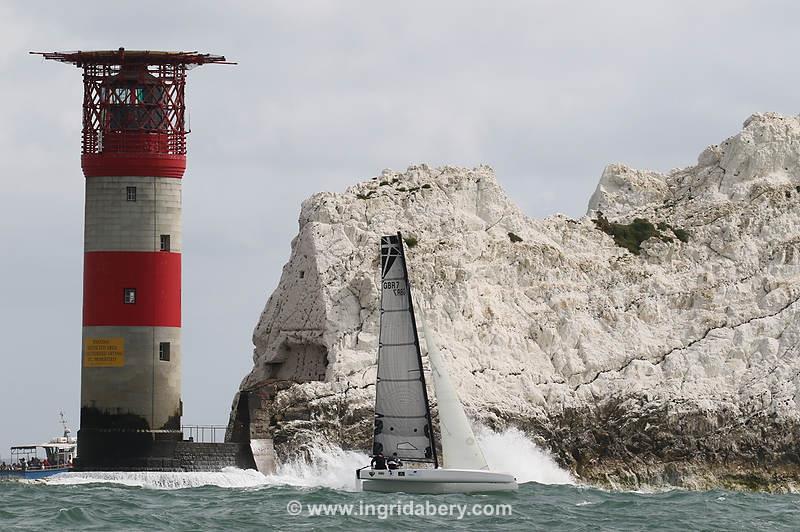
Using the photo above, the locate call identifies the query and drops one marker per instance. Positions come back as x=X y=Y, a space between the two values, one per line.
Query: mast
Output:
x=419 y=354
x=64 y=424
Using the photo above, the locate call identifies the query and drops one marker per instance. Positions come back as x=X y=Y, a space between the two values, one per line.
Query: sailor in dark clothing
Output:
x=378 y=461
x=394 y=462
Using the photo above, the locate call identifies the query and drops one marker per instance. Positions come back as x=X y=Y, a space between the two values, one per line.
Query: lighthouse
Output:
x=133 y=156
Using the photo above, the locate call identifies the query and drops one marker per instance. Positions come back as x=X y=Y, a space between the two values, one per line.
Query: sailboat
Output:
x=403 y=427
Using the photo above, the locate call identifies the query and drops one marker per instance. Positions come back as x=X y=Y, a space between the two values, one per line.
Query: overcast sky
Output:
x=327 y=94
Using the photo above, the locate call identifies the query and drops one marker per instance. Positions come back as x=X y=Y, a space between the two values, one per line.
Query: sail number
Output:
x=396 y=287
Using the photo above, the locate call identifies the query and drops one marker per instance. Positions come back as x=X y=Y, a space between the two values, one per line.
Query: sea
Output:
x=322 y=495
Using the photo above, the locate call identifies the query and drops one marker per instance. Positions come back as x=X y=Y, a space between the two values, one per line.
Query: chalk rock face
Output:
x=622 y=189
x=677 y=363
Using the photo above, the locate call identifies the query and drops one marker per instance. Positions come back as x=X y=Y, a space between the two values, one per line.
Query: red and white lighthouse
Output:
x=133 y=158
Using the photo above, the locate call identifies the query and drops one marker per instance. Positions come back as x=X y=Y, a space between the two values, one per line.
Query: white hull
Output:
x=435 y=480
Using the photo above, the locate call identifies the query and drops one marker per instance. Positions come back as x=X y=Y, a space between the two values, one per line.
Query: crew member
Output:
x=378 y=461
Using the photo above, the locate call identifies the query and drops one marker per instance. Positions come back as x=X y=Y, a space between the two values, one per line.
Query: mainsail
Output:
x=459 y=447
x=402 y=412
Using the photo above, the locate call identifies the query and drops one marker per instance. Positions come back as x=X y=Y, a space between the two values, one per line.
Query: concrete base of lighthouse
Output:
x=125 y=450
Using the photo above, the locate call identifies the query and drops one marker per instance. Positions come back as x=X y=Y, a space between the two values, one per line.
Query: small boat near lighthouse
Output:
x=59 y=454
x=403 y=428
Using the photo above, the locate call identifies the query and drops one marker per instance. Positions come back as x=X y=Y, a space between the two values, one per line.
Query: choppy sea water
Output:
x=246 y=500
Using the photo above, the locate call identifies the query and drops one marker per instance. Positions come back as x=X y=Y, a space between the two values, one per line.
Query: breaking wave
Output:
x=229 y=477
x=331 y=467
x=511 y=451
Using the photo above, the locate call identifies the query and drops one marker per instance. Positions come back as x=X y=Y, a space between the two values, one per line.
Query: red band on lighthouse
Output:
x=133 y=164
x=155 y=277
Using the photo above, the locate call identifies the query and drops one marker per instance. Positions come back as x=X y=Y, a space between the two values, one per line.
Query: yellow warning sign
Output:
x=104 y=352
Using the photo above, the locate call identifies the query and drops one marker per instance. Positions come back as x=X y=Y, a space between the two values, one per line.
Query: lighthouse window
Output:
x=122 y=95
x=163 y=351
x=164 y=242
x=130 y=193
x=129 y=296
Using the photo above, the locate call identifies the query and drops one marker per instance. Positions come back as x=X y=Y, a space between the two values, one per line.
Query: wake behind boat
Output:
x=403 y=429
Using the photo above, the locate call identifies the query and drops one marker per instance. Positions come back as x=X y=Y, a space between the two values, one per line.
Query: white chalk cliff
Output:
x=670 y=361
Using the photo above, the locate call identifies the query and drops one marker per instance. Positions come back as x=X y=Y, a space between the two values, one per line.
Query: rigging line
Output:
x=429 y=422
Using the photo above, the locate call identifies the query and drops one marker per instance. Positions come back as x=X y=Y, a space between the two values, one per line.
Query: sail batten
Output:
x=402 y=411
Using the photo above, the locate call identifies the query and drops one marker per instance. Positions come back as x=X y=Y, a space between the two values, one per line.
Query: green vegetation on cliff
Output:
x=630 y=236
